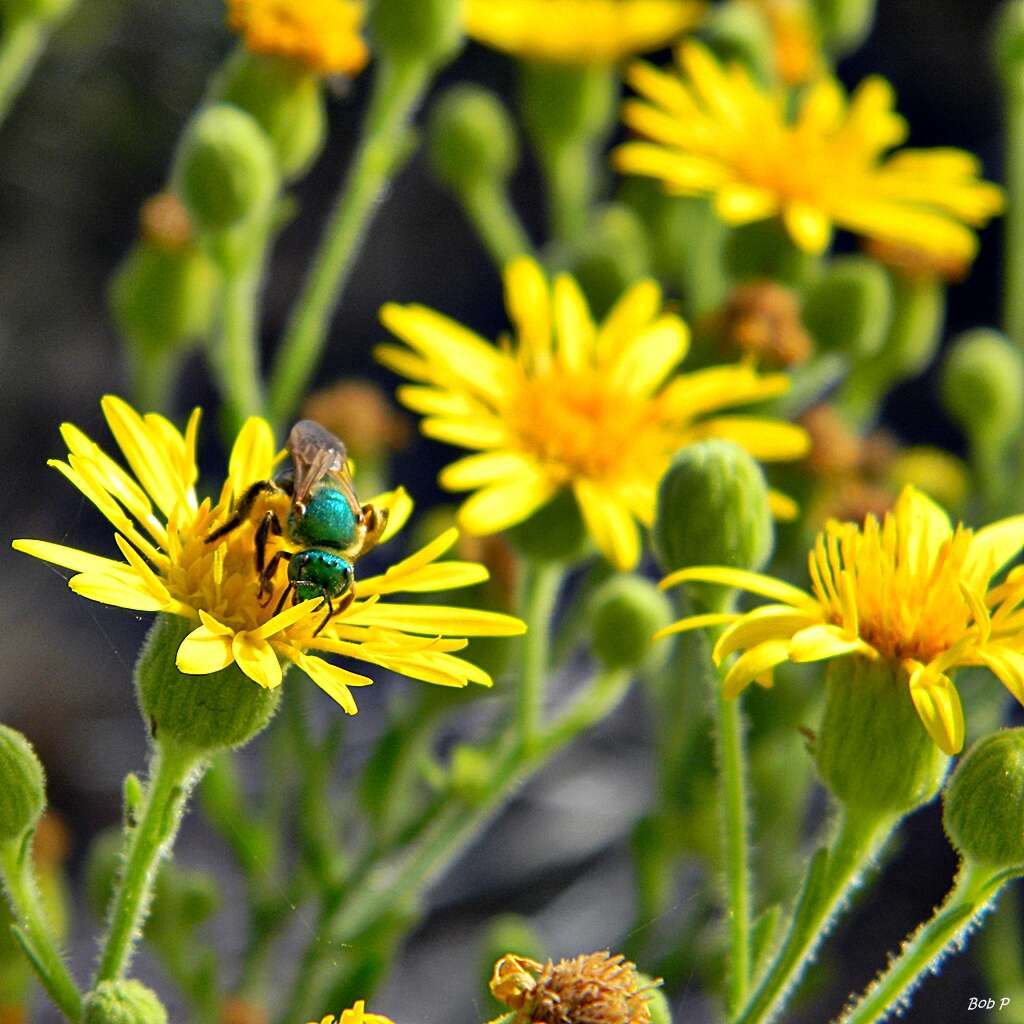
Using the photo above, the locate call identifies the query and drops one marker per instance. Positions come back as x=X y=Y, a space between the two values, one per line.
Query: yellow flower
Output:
x=357 y=1015
x=714 y=132
x=572 y=404
x=161 y=528
x=578 y=31
x=322 y=35
x=911 y=590
x=798 y=57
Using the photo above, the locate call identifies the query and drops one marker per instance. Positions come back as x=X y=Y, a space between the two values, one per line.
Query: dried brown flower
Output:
x=164 y=221
x=761 y=319
x=593 y=988
x=238 y=1011
x=360 y=414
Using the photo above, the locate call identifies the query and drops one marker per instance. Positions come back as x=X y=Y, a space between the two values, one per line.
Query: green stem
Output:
x=401 y=879
x=23 y=895
x=496 y=222
x=1013 y=218
x=384 y=143
x=832 y=876
x=541 y=583
x=571 y=170
x=735 y=837
x=20 y=47
x=972 y=893
x=236 y=359
x=154 y=375
x=1001 y=944
x=174 y=770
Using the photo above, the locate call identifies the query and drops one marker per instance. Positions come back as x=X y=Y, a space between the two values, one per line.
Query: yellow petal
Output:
x=439 y=620
x=753 y=665
x=333 y=680
x=697 y=622
x=633 y=311
x=819 y=642
x=610 y=523
x=770 y=622
x=1007 y=665
x=782 y=507
x=280 y=622
x=768 y=440
x=646 y=361
x=991 y=548
x=938 y=706
x=257 y=659
x=205 y=650
x=495 y=508
x=574 y=325
x=755 y=583
x=467 y=433
x=70 y=558
x=448 y=575
x=398 y=505
x=485 y=469
x=122 y=590
x=395 y=576
x=528 y=302
x=252 y=455
x=809 y=227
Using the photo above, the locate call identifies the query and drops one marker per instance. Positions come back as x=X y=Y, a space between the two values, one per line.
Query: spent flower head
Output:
x=911 y=590
x=161 y=529
x=593 y=988
x=578 y=31
x=324 y=36
x=712 y=130
x=570 y=404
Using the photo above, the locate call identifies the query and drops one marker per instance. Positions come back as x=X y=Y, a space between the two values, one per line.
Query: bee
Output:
x=326 y=523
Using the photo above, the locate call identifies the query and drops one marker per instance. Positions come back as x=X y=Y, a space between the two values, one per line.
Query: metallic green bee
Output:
x=325 y=521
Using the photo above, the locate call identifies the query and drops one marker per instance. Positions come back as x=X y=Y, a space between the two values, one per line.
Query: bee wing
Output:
x=317 y=453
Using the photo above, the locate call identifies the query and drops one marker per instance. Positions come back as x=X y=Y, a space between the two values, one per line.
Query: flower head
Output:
x=910 y=589
x=578 y=31
x=161 y=529
x=356 y=1015
x=713 y=131
x=597 y=409
x=322 y=35
x=593 y=988
x=798 y=57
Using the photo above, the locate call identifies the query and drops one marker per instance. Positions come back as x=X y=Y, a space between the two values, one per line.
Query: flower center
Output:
x=905 y=591
x=579 y=428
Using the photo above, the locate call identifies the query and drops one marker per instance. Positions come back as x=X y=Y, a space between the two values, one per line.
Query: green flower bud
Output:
x=471 y=138
x=22 y=785
x=470 y=773
x=162 y=299
x=845 y=23
x=424 y=32
x=561 y=104
x=872 y=751
x=218 y=711
x=983 y=805
x=713 y=510
x=45 y=11
x=122 y=1002
x=285 y=99
x=625 y=613
x=226 y=170
x=1009 y=42
x=850 y=308
x=740 y=33
x=612 y=255
x=554 y=533
x=983 y=386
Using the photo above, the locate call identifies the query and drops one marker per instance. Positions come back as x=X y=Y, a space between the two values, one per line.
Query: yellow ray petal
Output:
x=333 y=680
x=648 y=358
x=938 y=706
x=448 y=575
x=633 y=311
x=991 y=548
x=697 y=622
x=205 y=650
x=755 y=583
x=439 y=620
x=122 y=590
x=753 y=665
x=70 y=558
x=466 y=433
x=495 y=508
x=574 y=325
x=809 y=227
x=765 y=439
x=394 y=577
x=485 y=469
x=610 y=523
x=257 y=659
x=782 y=507
x=1008 y=667
x=398 y=505
x=252 y=455
x=819 y=642
x=769 y=622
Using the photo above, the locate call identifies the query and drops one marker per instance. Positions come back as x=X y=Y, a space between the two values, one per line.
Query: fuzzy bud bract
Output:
x=625 y=612
x=122 y=1002
x=22 y=785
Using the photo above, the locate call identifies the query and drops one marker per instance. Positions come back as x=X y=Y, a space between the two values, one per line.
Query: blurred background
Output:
x=88 y=142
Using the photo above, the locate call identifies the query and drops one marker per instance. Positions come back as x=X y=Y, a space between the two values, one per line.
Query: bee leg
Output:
x=267 y=576
x=243 y=508
x=327 y=617
x=284 y=597
x=269 y=525
x=374 y=520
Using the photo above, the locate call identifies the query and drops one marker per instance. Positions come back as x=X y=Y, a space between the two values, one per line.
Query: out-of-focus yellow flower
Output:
x=161 y=529
x=322 y=35
x=572 y=404
x=911 y=590
x=356 y=1015
x=798 y=57
x=578 y=31
x=713 y=131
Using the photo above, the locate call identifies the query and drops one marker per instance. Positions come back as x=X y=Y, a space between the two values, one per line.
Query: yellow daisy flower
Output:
x=912 y=590
x=357 y=1015
x=322 y=35
x=578 y=31
x=161 y=528
x=713 y=131
x=798 y=57
x=572 y=404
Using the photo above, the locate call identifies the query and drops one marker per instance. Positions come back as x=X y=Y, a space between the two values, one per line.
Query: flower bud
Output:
x=983 y=804
x=45 y=11
x=472 y=138
x=1009 y=43
x=122 y=1002
x=471 y=773
x=424 y=32
x=983 y=386
x=287 y=101
x=218 y=711
x=844 y=23
x=226 y=170
x=872 y=751
x=740 y=33
x=849 y=309
x=625 y=612
x=561 y=104
x=22 y=785
x=554 y=533
x=713 y=510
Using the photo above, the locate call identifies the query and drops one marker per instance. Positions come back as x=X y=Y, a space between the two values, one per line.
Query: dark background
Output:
x=89 y=141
